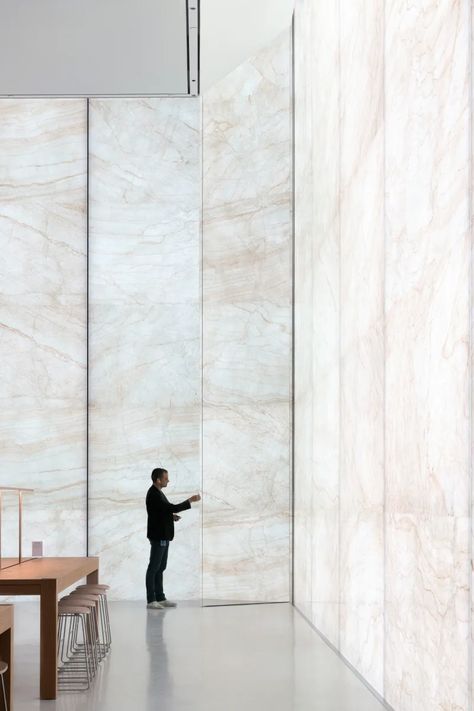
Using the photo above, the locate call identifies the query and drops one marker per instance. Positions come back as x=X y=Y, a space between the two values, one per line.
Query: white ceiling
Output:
x=234 y=30
x=128 y=47
x=87 y=47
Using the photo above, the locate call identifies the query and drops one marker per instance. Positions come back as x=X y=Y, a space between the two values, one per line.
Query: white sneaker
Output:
x=167 y=603
x=154 y=605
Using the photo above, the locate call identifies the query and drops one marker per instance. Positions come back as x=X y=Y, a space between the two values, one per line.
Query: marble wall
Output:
x=316 y=329
x=104 y=315
x=141 y=346
x=361 y=340
x=427 y=364
x=43 y=150
x=144 y=332
x=382 y=251
x=247 y=330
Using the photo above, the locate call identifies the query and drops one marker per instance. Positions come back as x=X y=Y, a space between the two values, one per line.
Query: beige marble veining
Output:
x=317 y=315
x=471 y=356
x=400 y=125
x=303 y=341
x=427 y=370
x=246 y=330
x=427 y=612
x=362 y=338
x=324 y=322
x=43 y=318
x=144 y=333
x=303 y=298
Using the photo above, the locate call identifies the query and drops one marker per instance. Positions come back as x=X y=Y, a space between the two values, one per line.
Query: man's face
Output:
x=164 y=480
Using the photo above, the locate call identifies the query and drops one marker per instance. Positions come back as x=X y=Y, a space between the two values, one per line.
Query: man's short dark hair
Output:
x=158 y=474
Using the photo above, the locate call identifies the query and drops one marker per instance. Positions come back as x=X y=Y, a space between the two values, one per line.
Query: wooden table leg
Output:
x=93 y=578
x=48 y=639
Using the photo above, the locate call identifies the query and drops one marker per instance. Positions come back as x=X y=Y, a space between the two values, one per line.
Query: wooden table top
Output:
x=65 y=570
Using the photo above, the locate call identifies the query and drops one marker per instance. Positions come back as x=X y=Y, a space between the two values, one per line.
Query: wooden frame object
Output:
x=19 y=491
x=47 y=577
x=6 y=652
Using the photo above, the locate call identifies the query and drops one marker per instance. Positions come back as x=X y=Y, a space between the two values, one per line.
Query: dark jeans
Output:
x=154 y=573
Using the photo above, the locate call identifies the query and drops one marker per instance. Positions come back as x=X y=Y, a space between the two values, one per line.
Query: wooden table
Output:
x=6 y=652
x=47 y=577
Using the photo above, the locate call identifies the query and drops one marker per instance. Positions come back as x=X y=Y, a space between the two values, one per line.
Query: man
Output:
x=160 y=531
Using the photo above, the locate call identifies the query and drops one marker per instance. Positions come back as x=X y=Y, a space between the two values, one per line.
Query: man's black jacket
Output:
x=160 y=515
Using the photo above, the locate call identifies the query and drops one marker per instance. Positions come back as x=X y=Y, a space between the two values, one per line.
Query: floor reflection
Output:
x=200 y=659
x=159 y=680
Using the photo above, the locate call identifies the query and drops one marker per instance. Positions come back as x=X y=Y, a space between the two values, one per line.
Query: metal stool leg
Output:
x=4 y=693
x=76 y=662
x=101 y=590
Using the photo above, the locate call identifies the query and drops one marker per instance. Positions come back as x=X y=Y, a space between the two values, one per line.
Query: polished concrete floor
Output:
x=255 y=657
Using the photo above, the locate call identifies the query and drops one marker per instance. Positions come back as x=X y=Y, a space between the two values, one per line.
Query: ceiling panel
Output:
x=94 y=47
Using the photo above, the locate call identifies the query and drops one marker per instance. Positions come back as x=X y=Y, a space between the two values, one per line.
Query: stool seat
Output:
x=80 y=602
x=84 y=598
x=71 y=608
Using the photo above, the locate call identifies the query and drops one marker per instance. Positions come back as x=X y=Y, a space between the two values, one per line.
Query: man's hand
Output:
x=176 y=517
x=194 y=498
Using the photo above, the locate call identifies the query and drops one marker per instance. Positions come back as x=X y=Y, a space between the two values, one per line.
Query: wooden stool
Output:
x=91 y=600
x=76 y=663
x=101 y=590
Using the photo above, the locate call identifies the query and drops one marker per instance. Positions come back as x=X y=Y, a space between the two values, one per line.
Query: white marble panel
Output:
x=362 y=338
x=427 y=615
x=427 y=374
x=247 y=526
x=43 y=316
x=471 y=356
x=303 y=306
x=317 y=308
x=144 y=333
x=247 y=330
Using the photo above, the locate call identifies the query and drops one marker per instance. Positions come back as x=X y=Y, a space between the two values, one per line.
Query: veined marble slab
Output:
x=303 y=305
x=247 y=330
x=471 y=356
x=427 y=475
x=43 y=317
x=317 y=263
x=362 y=338
x=144 y=333
x=401 y=114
